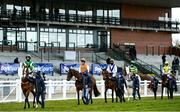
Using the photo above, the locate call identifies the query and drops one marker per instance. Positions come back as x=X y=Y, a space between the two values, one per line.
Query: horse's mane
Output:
x=73 y=70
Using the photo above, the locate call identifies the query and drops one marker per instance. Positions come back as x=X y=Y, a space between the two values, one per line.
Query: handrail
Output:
x=74 y=45
x=58 y=45
x=6 y=43
x=141 y=64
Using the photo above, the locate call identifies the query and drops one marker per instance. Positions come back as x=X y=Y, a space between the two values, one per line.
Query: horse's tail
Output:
x=96 y=92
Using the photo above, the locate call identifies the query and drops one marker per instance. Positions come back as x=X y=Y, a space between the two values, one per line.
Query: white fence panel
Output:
x=10 y=91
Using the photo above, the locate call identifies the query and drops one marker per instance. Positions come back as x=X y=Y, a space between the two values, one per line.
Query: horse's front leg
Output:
x=78 y=96
x=112 y=95
x=25 y=103
x=105 y=95
x=116 y=92
x=168 y=93
x=128 y=93
x=91 y=96
x=162 y=89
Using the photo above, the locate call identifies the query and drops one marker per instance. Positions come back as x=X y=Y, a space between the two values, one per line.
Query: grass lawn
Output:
x=146 y=104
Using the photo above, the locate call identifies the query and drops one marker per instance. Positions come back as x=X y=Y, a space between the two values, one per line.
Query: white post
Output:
x=20 y=70
x=18 y=91
x=102 y=88
x=50 y=89
x=145 y=87
x=64 y=89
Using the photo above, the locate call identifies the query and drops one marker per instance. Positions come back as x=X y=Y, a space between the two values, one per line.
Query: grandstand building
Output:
x=87 y=24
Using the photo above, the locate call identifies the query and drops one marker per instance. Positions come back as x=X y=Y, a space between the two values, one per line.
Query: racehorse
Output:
x=27 y=87
x=170 y=85
x=79 y=85
x=110 y=84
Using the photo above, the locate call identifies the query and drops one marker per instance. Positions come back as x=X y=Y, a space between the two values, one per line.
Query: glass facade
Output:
x=82 y=38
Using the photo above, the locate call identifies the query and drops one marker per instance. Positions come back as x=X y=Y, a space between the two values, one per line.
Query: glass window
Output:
x=99 y=12
x=114 y=13
x=11 y=35
x=18 y=7
x=62 y=39
x=72 y=12
x=89 y=39
x=81 y=13
x=62 y=11
x=9 y=7
x=44 y=38
x=88 y=13
x=31 y=36
x=80 y=40
x=1 y=35
x=72 y=39
x=53 y=38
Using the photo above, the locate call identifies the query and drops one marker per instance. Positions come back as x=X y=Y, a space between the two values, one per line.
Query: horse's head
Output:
x=105 y=74
x=72 y=73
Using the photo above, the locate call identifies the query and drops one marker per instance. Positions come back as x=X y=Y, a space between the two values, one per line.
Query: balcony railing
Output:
x=91 y=20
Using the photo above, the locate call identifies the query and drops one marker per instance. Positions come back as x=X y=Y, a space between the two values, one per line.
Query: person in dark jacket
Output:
x=155 y=83
x=136 y=85
x=121 y=83
x=163 y=59
x=108 y=60
x=40 y=89
x=16 y=60
x=86 y=88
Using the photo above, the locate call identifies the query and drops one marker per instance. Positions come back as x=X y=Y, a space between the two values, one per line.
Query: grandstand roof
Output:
x=157 y=3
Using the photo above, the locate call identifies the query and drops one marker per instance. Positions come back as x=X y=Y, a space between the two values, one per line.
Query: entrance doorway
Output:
x=102 y=36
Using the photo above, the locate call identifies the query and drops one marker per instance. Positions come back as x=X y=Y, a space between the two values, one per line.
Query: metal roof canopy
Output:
x=155 y=3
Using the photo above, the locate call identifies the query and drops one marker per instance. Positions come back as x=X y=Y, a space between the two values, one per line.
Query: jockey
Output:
x=112 y=69
x=167 y=70
x=40 y=89
x=28 y=63
x=84 y=70
x=133 y=69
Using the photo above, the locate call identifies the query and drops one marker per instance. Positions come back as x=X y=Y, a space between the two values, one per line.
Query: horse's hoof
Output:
x=24 y=107
x=105 y=101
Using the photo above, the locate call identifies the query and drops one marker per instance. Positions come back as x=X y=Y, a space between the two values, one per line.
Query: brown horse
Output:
x=79 y=85
x=109 y=84
x=27 y=87
x=169 y=84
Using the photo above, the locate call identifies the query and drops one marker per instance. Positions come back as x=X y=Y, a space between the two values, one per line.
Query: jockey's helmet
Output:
x=112 y=60
x=83 y=60
x=166 y=63
x=28 y=56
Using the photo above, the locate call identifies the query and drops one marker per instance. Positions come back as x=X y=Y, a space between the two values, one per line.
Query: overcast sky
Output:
x=176 y=15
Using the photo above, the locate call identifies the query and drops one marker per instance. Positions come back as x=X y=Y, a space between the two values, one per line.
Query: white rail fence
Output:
x=10 y=91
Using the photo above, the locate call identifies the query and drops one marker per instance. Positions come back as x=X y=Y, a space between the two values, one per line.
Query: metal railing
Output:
x=142 y=66
x=7 y=44
x=68 y=46
x=97 y=20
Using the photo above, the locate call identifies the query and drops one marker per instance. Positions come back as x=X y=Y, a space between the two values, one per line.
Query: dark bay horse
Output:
x=170 y=85
x=109 y=84
x=79 y=85
x=27 y=87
